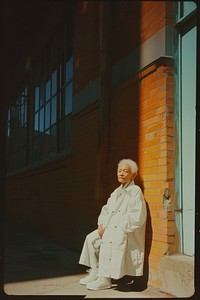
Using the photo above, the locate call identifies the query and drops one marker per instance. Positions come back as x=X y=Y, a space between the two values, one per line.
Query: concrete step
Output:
x=176 y=273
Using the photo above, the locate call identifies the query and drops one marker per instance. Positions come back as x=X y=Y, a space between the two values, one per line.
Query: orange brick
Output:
x=160 y=245
x=167 y=223
x=154 y=177
x=155 y=207
x=151 y=121
x=157 y=251
x=153 y=185
x=152 y=149
x=151 y=156
x=171 y=248
x=153 y=142
x=155 y=214
x=155 y=222
x=164 y=238
x=153 y=199
x=156 y=101
x=154 y=192
x=154 y=259
x=154 y=127
x=166 y=215
x=165 y=230
x=155 y=170
x=149 y=164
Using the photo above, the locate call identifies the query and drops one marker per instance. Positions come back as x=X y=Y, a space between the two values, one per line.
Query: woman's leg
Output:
x=90 y=252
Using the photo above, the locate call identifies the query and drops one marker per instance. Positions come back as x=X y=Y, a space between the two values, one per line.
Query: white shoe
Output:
x=93 y=275
x=101 y=283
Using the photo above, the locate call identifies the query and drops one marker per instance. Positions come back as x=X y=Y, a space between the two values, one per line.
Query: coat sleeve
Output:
x=104 y=213
x=136 y=213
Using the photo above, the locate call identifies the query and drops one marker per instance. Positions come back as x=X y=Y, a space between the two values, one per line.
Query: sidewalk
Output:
x=37 y=266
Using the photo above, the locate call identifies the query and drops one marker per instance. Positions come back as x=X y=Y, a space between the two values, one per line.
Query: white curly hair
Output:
x=132 y=164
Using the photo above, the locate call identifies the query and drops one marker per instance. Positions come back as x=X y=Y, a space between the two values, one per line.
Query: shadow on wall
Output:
x=148 y=240
x=134 y=283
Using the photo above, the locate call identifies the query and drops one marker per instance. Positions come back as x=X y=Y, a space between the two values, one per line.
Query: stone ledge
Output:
x=176 y=274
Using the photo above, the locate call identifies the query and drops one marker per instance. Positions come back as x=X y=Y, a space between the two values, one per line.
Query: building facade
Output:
x=105 y=81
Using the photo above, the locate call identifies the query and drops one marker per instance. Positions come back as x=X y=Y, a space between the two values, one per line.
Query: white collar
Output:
x=127 y=184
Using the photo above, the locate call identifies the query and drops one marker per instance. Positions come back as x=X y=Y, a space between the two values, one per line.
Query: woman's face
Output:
x=124 y=174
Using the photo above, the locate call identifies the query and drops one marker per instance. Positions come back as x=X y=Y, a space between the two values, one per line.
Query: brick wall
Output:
x=86 y=43
x=142 y=128
x=152 y=18
x=124 y=122
x=125 y=24
x=156 y=159
x=57 y=197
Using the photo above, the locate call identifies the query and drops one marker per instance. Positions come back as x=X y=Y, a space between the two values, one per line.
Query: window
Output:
x=66 y=88
x=51 y=96
x=186 y=79
x=17 y=133
x=45 y=105
x=185 y=8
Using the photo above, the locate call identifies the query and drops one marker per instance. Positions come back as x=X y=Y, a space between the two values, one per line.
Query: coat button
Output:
x=110 y=242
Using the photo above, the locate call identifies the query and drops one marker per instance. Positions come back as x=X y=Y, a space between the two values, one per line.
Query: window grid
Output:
x=17 y=133
x=51 y=108
x=66 y=88
x=46 y=110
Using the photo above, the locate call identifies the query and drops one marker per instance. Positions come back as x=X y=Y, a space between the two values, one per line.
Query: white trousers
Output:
x=90 y=252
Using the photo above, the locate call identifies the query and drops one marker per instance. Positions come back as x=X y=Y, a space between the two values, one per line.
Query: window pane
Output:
x=47 y=116
x=41 y=120
x=53 y=111
x=36 y=126
x=185 y=8
x=69 y=70
x=25 y=113
x=54 y=82
x=61 y=80
x=37 y=95
x=48 y=89
x=22 y=114
x=188 y=7
x=68 y=98
x=42 y=96
x=18 y=109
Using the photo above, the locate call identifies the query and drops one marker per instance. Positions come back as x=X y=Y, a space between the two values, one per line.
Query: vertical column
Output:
x=30 y=116
x=2 y=174
x=2 y=160
x=104 y=103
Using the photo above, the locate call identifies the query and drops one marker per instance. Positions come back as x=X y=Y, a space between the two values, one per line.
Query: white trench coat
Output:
x=123 y=242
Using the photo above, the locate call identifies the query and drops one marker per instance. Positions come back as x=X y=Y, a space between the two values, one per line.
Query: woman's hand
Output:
x=100 y=230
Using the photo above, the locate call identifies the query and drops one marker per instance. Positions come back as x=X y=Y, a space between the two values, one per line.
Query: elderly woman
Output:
x=116 y=247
